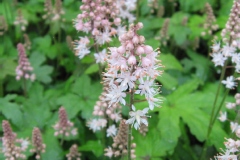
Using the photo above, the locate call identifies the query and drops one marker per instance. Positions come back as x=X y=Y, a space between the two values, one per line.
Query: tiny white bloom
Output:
x=137 y=117
x=223 y=116
x=103 y=37
x=101 y=56
x=218 y=59
x=111 y=131
x=234 y=126
x=229 y=82
x=230 y=105
x=97 y=124
x=216 y=46
x=227 y=50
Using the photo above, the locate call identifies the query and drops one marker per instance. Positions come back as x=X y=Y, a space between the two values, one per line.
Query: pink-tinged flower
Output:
x=234 y=126
x=97 y=124
x=126 y=80
x=228 y=50
x=81 y=49
x=24 y=69
x=218 y=59
x=109 y=152
x=230 y=105
x=103 y=38
x=111 y=131
x=223 y=116
x=138 y=117
x=101 y=56
x=146 y=88
x=116 y=95
x=236 y=58
x=216 y=47
x=226 y=156
x=229 y=82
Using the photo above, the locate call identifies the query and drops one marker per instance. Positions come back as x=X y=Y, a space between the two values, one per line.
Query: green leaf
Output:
x=72 y=104
x=11 y=111
x=168 y=81
x=93 y=146
x=7 y=67
x=92 y=69
x=170 y=62
x=183 y=90
x=169 y=128
x=53 y=148
x=42 y=71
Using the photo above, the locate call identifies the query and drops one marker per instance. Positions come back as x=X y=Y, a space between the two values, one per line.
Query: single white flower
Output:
x=230 y=105
x=229 y=82
x=109 y=152
x=234 y=126
x=111 y=131
x=218 y=59
x=116 y=95
x=223 y=116
x=137 y=117
x=97 y=124
x=227 y=50
x=216 y=46
x=103 y=37
x=226 y=156
x=101 y=56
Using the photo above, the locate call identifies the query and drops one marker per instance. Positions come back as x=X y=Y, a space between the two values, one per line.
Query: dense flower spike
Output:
x=209 y=24
x=228 y=51
x=119 y=146
x=98 y=17
x=24 y=68
x=64 y=127
x=37 y=143
x=3 y=25
x=103 y=112
x=27 y=42
x=53 y=13
x=13 y=148
x=20 y=21
x=73 y=154
x=232 y=31
x=164 y=32
x=132 y=66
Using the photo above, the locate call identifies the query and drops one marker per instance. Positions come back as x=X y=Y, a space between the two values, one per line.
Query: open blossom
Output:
x=137 y=117
x=97 y=124
x=229 y=82
x=101 y=56
x=223 y=116
x=81 y=47
x=111 y=131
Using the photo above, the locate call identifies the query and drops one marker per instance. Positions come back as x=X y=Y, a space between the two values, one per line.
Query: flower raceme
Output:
x=133 y=67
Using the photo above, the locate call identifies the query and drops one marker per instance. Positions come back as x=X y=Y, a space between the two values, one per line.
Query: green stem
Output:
x=1 y=88
x=212 y=120
x=24 y=88
x=130 y=126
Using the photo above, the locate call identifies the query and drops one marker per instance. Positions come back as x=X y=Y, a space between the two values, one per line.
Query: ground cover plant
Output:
x=119 y=79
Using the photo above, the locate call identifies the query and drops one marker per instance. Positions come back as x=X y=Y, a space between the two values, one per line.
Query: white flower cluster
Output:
x=232 y=146
x=133 y=67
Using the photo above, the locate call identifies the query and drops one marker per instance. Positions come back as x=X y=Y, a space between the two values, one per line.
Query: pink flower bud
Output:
x=117 y=21
x=141 y=39
x=146 y=62
x=132 y=60
x=129 y=46
x=139 y=25
x=135 y=39
x=148 y=49
x=121 y=49
x=140 y=50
